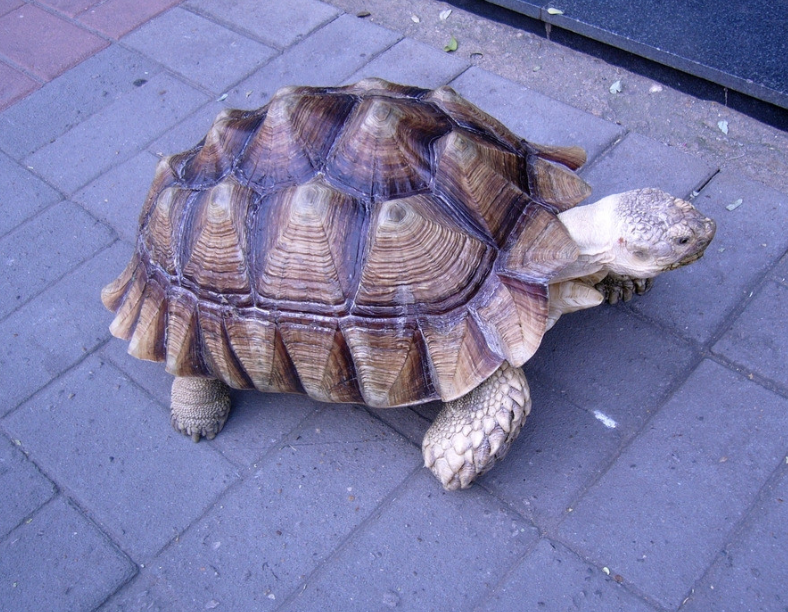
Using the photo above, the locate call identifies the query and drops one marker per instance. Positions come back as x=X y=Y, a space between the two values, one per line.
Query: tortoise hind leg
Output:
x=472 y=432
x=200 y=406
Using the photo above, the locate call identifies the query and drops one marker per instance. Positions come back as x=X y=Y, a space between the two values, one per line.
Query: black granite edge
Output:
x=695 y=68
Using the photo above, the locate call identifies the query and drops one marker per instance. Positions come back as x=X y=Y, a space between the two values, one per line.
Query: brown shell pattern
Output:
x=372 y=243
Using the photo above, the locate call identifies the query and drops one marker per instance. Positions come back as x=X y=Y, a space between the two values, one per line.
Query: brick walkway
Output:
x=651 y=476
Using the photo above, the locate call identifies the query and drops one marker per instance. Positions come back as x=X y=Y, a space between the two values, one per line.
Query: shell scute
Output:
x=483 y=179
x=384 y=151
x=555 y=184
x=258 y=346
x=213 y=158
x=322 y=360
x=390 y=363
x=217 y=349
x=214 y=256
x=308 y=240
x=294 y=139
x=460 y=355
x=419 y=260
x=538 y=248
x=147 y=341
x=184 y=347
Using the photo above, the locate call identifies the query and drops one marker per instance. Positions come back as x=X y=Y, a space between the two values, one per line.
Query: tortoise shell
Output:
x=371 y=243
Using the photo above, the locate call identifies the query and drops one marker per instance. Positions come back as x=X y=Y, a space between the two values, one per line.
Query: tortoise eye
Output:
x=683 y=240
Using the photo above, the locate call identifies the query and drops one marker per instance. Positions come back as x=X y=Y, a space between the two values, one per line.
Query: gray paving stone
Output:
x=57 y=328
x=560 y=449
x=780 y=273
x=534 y=116
x=188 y=132
x=268 y=534
x=611 y=364
x=426 y=550
x=116 y=197
x=112 y=447
x=277 y=23
x=71 y=98
x=758 y=339
x=406 y=421
x=666 y=508
x=24 y=488
x=260 y=421
x=697 y=300
x=23 y=194
x=147 y=374
x=553 y=579
x=115 y=132
x=413 y=63
x=37 y=253
x=59 y=561
x=326 y=57
x=638 y=161
x=752 y=573
x=199 y=49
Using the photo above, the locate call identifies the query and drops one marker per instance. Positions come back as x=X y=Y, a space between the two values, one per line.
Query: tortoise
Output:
x=380 y=244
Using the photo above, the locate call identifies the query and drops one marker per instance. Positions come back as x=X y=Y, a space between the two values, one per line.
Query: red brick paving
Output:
x=72 y=8
x=115 y=18
x=14 y=85
x=44 y=44
x=38 y=44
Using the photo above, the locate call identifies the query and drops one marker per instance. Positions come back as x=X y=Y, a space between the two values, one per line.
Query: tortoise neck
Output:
x=592 y=227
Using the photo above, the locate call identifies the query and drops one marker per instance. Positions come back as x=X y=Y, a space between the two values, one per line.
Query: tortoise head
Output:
x=657 y=232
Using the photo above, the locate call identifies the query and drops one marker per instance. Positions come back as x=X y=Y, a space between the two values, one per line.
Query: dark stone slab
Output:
x=740 y=45
x=666 y=508
x=752 y=573
x=426 y=550
x=104 y=440
x=259 y=543
x=758 y=339
x=59 y=561
x=24 y=488
x=553 y=579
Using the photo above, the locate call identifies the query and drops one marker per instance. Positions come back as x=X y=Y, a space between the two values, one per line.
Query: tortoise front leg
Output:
x=472 y=432
x=615 y=287
x=200 y=406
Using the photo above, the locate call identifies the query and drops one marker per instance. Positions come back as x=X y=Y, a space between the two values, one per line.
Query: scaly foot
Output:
x=200 y=406
x=474 y=431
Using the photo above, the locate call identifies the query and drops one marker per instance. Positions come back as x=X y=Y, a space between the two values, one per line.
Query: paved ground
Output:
x=652 y=474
